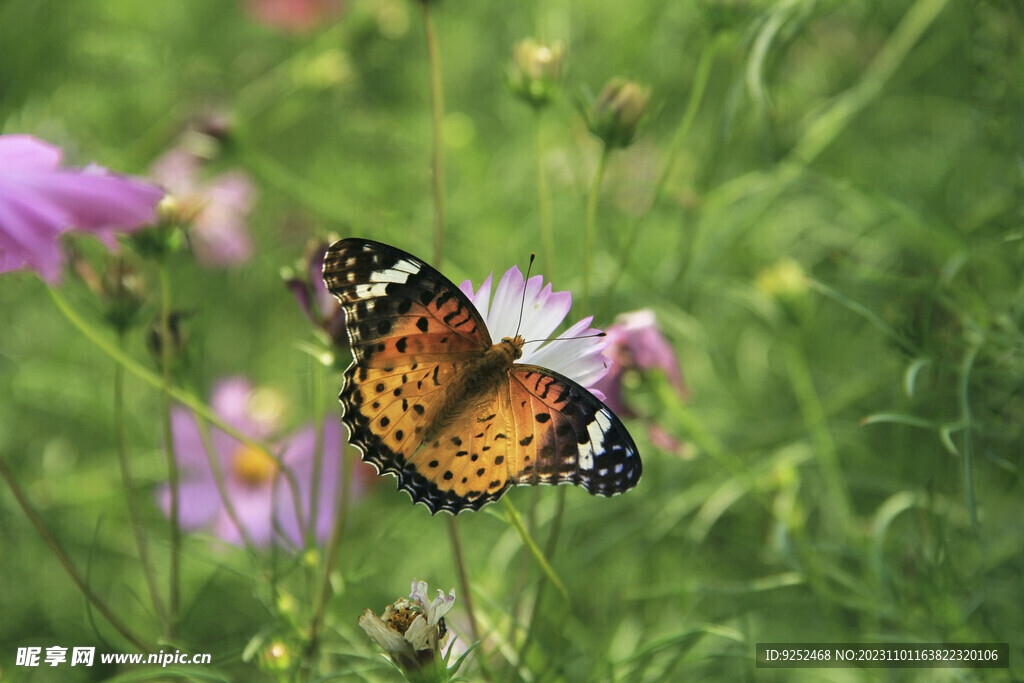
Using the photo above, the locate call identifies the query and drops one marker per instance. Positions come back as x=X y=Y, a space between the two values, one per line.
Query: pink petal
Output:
x=26 y=153
x=198 y=502
x=293 y=15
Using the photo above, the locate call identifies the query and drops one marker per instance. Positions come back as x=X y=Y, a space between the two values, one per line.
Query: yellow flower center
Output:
x=253 y=466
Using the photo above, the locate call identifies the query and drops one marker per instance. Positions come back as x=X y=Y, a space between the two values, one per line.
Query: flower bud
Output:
x=176 y=329
x=617 y=113
x=783 y=280
x=305 y=280
x=276 y=657
x=119 y=287
x=535 y=70
x=786 y=284
x=124 y=293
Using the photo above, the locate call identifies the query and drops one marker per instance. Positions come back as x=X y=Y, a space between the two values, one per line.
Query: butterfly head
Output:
x=514 y=346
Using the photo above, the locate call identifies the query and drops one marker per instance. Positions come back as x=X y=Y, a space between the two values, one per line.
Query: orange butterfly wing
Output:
x=414 y=336
x=539 y=428
x=565 y=435
x=410 y=330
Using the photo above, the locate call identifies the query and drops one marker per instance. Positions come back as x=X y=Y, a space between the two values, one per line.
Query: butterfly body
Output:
x=429 y=399
x=475 y=384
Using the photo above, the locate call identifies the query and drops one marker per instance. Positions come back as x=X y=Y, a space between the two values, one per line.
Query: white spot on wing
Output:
x=595 y=445
x=389 y=275
x=407 y=266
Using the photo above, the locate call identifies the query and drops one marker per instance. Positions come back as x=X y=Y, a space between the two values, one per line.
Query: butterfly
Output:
x=430 y=399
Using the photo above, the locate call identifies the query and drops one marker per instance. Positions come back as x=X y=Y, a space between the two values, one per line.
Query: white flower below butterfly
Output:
x=412 y=631
x=579 y=359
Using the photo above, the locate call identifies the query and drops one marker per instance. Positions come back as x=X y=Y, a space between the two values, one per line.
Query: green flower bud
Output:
x=617 y=113
x=535 y=70
x=276 y=657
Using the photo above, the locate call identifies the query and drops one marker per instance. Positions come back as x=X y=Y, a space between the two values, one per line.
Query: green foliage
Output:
x=832 y=240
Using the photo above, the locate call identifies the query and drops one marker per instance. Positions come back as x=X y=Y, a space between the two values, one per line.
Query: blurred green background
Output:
x=836 y=255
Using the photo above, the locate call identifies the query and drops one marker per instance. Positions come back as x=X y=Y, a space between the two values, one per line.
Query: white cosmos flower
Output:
x=412 y=630
x=580 y=360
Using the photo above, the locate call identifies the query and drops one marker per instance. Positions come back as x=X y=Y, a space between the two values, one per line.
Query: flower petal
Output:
x=385 y=636
x=418 y=594
x=231 y=400
x=543 y=310
x=28 y=235
x=419 y=634
x=254 y=509
x=440 y=606
x=27 y=153
x=503 y=316
x=482 y=299
x=198 y=502
x=578 y=359
x=38 y=201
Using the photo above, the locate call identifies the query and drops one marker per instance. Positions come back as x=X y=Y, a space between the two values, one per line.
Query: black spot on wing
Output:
x=582 y=443
x=378 y=285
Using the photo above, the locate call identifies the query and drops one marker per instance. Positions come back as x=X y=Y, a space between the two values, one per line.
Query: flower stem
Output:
x=802 y=382
x=544 y=200
x=588 y=247
x=460 y=568
x=549 y=550
x=967 y=456
x=219 y=482
x=180 y=395
x=40 y=526
x=700 y=81
x=437 y=115
x=517 y=523
x=341 y=505
x=129 y=494
x=318 y=455
x=166 y=348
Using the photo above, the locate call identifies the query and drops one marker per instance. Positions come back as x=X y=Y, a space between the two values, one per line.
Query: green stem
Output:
x=517 y=523
x=222 y=489
x=180 y=395
x=341 y=506
x=588 y=247
x=544 y=200
x=700 y=82
x=460 y=568
x=549 y=550
x=129 y=493
x=860 y=309
x=833 y=120
x=967 y=457
x=318 y=455
x=40 y=526
x=437 y=120
x=802 y=382
x=437 y=174
x=166 y=349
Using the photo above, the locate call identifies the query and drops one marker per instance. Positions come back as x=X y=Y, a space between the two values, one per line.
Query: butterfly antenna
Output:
x=551 y=339
x=522 y=304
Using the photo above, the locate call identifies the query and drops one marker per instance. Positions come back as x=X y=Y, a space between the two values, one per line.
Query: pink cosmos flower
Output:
x=215 y=207
x=256 y=488
x=578 y=359
x=293 y=16
x=39 y=200
x=636 y=344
